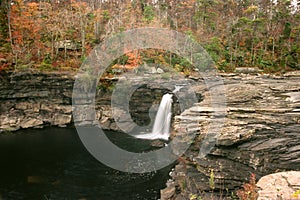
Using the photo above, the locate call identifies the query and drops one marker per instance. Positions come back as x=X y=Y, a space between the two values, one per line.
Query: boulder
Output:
x=159 y=71
x=61 y=119
x=282 y=185
x=167 y=193
x=30 y=122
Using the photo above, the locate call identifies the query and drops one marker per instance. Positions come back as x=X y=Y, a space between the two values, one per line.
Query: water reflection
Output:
x=53 y=164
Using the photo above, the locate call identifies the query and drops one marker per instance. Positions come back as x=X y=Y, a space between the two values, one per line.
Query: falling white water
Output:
x=161 y=128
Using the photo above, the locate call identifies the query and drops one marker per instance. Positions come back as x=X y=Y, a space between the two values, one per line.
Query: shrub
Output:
x=249 y=190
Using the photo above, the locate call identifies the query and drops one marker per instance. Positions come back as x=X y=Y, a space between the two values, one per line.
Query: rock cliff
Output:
x=30 y=99
x=260 y=134
x=37 y=99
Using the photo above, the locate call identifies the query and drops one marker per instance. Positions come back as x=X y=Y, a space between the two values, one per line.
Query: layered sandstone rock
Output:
x=260 y=134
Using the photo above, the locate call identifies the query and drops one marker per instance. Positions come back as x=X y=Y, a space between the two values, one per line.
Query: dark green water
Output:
x=52 y=163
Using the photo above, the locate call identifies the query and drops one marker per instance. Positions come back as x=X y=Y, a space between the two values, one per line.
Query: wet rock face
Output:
x=142 y=101
x=260 y=133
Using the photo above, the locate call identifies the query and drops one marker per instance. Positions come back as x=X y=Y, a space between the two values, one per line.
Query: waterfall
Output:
x=161 y=127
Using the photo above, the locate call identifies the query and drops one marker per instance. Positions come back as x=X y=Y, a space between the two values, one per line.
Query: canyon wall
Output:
x=36 y=99
x=260 y=134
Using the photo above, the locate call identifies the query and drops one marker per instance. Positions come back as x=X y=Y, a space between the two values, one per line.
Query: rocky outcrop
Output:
x=29 y=99
x=260 y=134
x=36 y=99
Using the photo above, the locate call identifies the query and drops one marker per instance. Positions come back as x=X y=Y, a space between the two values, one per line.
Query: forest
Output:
x=59 y=34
